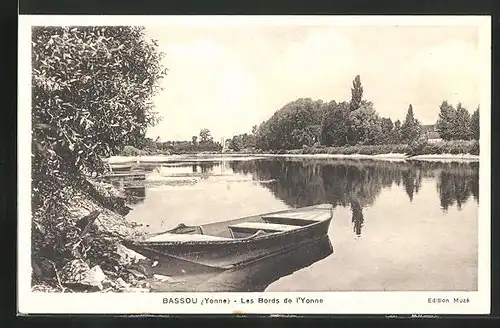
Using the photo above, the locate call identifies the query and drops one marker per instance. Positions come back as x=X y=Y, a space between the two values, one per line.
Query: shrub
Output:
x=91 y=95
x=474 y=148
x=417 y=147
x=452 y=147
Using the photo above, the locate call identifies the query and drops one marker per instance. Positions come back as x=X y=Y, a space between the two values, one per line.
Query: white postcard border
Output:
x=332 y=302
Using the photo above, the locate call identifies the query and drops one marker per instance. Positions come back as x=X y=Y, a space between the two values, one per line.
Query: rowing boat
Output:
x=234 y=243
x=120 y=167
x=255 y=277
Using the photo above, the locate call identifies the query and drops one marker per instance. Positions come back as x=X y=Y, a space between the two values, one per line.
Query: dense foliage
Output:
x=297 y=123
x=334 y=127
x=410 y=130
x=457 y=123
x=202 y=143
x=91 y=96
x=365 y=125
x=241 y=142
x=307 y=122
x=474 y=125
x=441 y=147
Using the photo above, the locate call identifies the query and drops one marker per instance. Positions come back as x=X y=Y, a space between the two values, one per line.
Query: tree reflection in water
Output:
x=206 y=167
x=348 y=183
x=135 y=195
x=357 y=217
x=357 y=184
x=456 y=186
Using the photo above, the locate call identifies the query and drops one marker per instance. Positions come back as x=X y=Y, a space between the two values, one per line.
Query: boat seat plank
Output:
x=264 y=226
x=165 y=237
x=323 y=207
x=300 y=216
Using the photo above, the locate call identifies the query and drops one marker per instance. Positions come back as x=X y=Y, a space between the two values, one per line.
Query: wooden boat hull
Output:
x=232 y=252
x=255 y=277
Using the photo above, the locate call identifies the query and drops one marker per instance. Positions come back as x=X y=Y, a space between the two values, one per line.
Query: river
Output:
x=397 y=226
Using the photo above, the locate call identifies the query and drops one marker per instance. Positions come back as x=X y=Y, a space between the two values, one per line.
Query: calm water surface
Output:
x=396 y=225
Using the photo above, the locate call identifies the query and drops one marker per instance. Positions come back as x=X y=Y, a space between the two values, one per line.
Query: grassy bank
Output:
x=424 y=148
x=458 y=149
x=443 y=147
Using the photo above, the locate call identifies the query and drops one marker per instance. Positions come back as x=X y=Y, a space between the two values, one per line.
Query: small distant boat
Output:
x=234 y=243
x=120 y=167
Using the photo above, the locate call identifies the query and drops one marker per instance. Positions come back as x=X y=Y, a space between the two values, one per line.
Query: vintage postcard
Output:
x=254 y=164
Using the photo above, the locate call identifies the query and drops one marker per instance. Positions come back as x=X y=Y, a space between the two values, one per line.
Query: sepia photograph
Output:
x=315 y=157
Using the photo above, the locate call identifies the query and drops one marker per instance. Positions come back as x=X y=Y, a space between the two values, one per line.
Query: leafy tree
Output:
x=410 y=130
x=92 y=91
x=387 y=130
x=474 y=125
x=334 y=126
x=236 y=143
x=298 y=123
x=205 y=135
x=447 y=121
x=242 y=141
x=248 y=140
x=365 y=124
x=305 y=136
x=462 y=127
x=194 y=140
x=148 y=144
x=457 y=123
x=354 y=105
x=356 y=94
x=254 y=129
x=263 y=138
x=396 y=133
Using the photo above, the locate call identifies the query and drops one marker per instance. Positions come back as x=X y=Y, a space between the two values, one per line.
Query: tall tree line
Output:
x=307 y=122
x=455 y=123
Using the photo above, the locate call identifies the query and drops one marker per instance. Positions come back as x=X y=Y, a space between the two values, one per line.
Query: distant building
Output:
x=427 y=127
x=225 y=144
x=433 y=136
x=431 y=133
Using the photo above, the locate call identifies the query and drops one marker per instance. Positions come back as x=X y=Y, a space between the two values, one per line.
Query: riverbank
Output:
x=133 y=272
x=98 y=262
x=390 y=157
x=120 y=160
x=457 y=150
x=152 y=159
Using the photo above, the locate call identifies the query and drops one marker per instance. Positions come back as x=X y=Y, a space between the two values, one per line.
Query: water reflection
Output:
x=357 y=184
x=457 y=187
x=347 y=183
x=203 y=167
x=412 y=179
x=135 y=194
x=414 y=216
x=255 y=277
x=357 y=217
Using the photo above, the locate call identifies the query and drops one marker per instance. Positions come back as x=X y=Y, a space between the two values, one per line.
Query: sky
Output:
x=229 y=79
